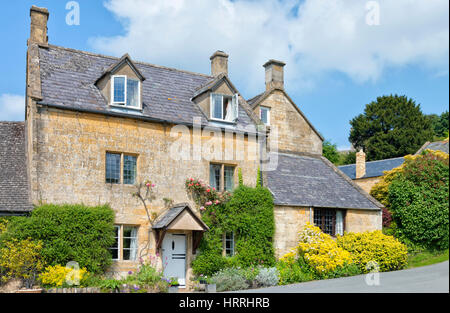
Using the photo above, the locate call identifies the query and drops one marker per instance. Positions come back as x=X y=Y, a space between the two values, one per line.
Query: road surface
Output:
x=432 y=278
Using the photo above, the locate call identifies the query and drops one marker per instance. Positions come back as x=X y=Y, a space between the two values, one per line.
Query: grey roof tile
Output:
x=373 y=168
x=311 y=181
x=68 y=77
x=14 y=187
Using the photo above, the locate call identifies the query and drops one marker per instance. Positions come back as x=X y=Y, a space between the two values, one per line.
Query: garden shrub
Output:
x=267 y=277
x=293 y=270
x=249 y=214
x=389 y=253
x=55 y=276
x=419 y=201
x=21 y=259
x=68 y=233
x=229 y=279
x=321 y=253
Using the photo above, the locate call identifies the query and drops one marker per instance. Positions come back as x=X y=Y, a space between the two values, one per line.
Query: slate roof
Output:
x=14 y=187
x=68 y=81
x=313 y=181
x=373 y=168
x=436 y=146
x=171 y=214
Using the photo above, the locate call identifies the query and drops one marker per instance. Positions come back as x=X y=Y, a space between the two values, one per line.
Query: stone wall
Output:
x=294 y=132
x=288 y=222
x=367 y=183
x=69 y=151
x=357 y=221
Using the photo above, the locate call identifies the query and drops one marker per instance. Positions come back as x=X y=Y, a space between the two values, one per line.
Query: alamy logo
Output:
x=373 y=277
x=73 y=16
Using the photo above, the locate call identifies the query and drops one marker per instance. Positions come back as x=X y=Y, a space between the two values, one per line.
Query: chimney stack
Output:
x=38 y=30
x=274 y=74
x=219 y=63
x=360 y=164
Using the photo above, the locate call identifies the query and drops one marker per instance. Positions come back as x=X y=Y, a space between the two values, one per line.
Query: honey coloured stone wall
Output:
x=358 y=221
x=68 y=158
x=288 y=222
x=294 y=132
x=367 y=183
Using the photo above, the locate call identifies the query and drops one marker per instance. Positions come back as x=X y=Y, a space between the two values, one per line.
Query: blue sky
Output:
x=337 y=61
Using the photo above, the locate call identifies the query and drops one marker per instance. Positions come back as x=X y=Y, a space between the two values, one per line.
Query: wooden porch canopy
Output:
x=179 y=217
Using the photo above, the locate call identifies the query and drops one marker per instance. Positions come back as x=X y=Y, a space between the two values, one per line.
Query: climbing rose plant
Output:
x=204 y=195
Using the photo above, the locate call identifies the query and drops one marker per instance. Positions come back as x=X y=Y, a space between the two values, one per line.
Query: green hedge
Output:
x=69 y=233
x=419 y=198
x=249 y=213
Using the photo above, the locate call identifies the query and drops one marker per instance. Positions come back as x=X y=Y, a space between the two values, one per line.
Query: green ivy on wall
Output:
x=249 y=214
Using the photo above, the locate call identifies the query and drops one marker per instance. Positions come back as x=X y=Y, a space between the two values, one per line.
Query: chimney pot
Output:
x=38 y=29
x=219 y=63
x=274 y=74
x=360 y=164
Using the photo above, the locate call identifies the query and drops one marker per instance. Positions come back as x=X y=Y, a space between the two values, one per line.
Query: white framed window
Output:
x=264 y=115
x=125 y=92
x=224 y=107
x=228 y=243
x=126 y=245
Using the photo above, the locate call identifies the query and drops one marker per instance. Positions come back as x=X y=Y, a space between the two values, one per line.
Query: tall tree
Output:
x=439 y=124
x=330 y=151
x=390 y=127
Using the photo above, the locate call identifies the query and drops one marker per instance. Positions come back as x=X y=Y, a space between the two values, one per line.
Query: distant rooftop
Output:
x=373 y=168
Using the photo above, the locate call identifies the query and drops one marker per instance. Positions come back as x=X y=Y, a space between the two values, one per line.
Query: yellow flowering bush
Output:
x=380 y=190
x=389 y=253
x=55 y=276
x=320 y=251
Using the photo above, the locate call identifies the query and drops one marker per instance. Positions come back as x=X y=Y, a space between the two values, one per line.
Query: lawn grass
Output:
x=424 y=258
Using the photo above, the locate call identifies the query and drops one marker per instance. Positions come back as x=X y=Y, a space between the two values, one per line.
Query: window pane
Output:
x=113 y=168
x=216 y=106
x=129 y=169
x=119 y=89
x=129 y=243
x=115 y=247
x=339 y=223
x=132 y=93
x=229 y=178
x=229 y=244
x=227 y=108
x=265 y=115
x=214 y=176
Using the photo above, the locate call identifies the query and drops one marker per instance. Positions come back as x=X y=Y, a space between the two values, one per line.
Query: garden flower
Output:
x=202 y=208
x=208 y=203
x=130 y=272
x=217 y=202
x=208 y=190
x=153 y=185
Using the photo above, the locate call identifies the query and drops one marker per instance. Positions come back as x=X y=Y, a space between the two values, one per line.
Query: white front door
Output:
x=174 y=257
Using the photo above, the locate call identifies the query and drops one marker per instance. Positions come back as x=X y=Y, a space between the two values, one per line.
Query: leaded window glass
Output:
x=113 y=168
x=129 y=169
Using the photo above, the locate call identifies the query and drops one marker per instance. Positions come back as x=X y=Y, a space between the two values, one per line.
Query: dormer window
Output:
x=125 y=92
x=224 y=107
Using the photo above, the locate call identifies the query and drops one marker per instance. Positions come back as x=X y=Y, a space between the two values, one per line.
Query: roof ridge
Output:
x=134 y=61
x=374 y=161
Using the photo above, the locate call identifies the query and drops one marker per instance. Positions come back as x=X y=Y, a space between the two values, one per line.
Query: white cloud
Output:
x=314 y=37
x=12 y=107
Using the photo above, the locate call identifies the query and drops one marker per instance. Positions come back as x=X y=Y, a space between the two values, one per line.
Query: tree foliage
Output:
x=419 y=200
x=416 y=193
x=329 y=150
x=440 y=125
x=391 y=126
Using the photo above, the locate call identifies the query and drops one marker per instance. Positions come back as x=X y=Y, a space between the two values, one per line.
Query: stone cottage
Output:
x=96 y=125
